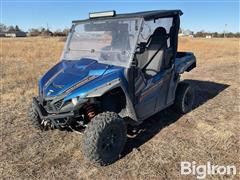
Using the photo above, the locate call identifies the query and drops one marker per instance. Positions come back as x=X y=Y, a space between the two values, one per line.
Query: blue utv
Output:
x=116 y=70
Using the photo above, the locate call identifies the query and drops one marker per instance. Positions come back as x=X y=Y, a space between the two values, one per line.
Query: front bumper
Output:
x=54 y=118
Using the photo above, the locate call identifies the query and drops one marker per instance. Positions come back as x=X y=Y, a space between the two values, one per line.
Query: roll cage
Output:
x=124 y=55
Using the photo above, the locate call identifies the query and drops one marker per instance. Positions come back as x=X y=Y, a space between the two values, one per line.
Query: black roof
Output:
x=147 y=15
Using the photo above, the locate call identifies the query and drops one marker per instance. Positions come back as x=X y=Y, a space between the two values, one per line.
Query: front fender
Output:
x=129 y=111
x=100 y=90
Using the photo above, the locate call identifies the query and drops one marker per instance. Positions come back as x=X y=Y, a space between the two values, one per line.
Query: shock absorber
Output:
x=90 y=110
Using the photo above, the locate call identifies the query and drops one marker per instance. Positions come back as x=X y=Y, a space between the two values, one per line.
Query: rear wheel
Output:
x=185 y=96
x=104 y=138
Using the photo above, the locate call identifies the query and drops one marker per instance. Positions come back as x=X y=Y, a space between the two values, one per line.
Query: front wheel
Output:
x=33 y=116
x=185 y=96
x=104 y=138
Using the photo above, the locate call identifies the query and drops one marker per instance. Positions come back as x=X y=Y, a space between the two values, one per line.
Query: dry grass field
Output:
x=211 y=132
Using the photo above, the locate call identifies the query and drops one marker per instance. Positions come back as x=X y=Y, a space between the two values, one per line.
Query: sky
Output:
x=207 y=15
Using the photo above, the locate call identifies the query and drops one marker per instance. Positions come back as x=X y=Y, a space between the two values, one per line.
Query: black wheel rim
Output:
x=110 y=142
x=188 y=100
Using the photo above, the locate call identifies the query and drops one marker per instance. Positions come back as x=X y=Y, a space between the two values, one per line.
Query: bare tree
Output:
x=17 y=29
x=3 y=28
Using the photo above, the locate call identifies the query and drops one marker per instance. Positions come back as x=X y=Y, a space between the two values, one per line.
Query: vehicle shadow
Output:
x=205 y=90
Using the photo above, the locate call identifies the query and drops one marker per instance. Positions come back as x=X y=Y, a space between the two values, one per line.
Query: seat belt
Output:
x=147 y=63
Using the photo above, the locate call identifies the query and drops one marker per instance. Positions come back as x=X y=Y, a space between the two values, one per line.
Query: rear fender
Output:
x=185 y=63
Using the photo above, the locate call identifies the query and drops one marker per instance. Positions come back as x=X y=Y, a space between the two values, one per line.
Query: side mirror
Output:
x=140 y=48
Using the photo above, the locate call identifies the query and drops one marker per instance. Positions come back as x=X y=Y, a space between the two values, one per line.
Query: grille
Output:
x=58 y=104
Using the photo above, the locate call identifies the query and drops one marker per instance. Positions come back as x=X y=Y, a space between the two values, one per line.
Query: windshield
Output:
x=107 y=41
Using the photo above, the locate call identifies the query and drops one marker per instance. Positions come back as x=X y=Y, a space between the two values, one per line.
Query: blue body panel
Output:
x=82 y=78
x=66 y=74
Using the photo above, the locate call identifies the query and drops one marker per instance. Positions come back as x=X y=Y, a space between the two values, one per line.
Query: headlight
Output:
x=78 y=100
x=75 y=101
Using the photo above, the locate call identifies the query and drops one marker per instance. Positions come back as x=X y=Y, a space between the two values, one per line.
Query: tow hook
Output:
x=47 y=124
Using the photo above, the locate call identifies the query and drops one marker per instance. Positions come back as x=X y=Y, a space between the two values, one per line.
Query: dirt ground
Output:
x=211 y=132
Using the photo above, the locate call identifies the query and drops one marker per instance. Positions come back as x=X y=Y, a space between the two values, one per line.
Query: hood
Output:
x=66 y=74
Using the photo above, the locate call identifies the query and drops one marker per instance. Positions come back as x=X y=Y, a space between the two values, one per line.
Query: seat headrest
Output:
x=159 y=36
